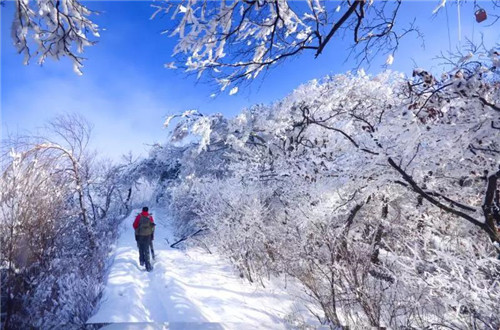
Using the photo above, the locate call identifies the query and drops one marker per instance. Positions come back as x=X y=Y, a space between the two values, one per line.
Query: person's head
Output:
x=145 y=209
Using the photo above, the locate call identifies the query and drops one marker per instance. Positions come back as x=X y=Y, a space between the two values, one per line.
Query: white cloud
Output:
x=126 y=117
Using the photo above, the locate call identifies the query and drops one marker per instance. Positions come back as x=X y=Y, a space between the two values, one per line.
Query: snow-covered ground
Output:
x=187 y=289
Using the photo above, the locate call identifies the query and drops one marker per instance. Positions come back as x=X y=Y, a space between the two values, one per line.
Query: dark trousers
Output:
x=143 y=243
x=150 y=244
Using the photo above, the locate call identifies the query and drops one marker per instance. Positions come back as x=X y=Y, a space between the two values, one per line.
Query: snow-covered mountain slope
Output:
x=188 y=288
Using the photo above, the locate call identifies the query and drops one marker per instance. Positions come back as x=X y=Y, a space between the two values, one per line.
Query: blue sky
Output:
x=126 y=93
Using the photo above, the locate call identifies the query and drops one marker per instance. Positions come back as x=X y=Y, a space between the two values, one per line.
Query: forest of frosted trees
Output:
x=378 y=195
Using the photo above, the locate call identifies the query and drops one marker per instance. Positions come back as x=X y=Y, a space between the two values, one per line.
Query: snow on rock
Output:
x=186 y=288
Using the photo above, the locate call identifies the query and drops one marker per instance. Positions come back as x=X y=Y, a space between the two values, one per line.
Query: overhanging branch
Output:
x=488 y=226
x=425 y=195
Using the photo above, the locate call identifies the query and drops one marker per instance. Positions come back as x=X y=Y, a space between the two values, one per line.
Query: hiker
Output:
x=151 y=242
x=144 y=227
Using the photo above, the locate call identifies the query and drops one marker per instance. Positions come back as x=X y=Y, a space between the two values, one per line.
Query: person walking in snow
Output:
x=144 y=227
x=150 y=244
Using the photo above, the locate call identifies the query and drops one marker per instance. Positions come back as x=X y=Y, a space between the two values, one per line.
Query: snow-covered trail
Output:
x=186 y=289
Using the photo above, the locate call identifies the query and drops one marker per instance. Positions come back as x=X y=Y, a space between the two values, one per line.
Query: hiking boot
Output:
x=149 y=267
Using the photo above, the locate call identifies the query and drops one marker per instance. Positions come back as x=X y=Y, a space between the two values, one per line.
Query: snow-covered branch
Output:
x=53 y=28
x=236 y=41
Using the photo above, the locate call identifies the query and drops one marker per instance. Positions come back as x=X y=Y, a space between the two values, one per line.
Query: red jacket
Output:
x=138 y=217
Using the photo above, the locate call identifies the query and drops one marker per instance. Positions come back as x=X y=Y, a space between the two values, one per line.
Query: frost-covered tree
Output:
x=58 y=214
x=378 y=194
